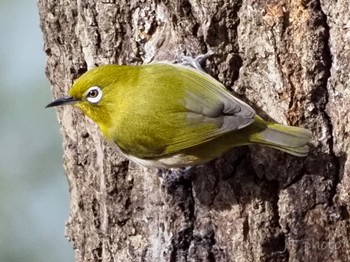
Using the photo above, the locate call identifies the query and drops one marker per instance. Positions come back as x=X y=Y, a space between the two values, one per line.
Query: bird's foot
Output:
x=175 y=176
x=197 y=61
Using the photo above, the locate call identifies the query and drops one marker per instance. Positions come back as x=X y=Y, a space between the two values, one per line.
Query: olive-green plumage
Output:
x=168 y=115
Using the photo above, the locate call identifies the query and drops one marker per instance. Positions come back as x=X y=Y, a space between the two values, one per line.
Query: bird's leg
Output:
x=175 y=175
x=197 y=61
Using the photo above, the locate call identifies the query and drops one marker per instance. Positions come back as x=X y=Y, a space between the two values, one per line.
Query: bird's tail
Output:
x=290 y=139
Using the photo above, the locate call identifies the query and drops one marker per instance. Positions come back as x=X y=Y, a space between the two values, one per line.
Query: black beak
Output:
x=66 y=100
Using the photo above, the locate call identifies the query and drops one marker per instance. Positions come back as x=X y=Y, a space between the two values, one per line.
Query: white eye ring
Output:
x=94 y=94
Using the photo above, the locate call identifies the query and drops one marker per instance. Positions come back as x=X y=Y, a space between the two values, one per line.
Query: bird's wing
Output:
x=210 y=111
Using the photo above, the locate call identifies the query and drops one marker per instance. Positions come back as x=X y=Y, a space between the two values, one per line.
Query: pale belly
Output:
x=172 y=161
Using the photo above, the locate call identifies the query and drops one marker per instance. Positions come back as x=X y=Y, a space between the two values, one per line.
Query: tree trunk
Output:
x=289 y=59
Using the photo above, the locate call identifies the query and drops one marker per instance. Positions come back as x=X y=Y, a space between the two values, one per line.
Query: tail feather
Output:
x=293 y=140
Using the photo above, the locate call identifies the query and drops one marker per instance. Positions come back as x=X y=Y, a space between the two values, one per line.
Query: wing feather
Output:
x=211 y=110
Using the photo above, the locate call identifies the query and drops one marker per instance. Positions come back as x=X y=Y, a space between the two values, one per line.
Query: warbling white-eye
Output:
x=167 y=115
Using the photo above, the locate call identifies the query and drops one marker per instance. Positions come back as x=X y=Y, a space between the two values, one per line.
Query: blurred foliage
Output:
x=34 y=198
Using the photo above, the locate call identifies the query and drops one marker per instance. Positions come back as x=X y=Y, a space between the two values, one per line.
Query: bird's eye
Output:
x=94 y=94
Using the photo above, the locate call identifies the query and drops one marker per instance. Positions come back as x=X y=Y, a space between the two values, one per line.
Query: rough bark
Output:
x=289 y=59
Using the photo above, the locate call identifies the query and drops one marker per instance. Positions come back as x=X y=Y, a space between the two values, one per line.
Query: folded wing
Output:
x=210 y=110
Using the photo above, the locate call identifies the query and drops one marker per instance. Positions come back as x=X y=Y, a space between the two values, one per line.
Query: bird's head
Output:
x=94 y=93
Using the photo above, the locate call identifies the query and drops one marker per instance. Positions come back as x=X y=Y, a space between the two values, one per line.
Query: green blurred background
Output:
x=34 y=199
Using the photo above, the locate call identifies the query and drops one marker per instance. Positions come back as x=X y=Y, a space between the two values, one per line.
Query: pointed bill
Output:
x=65 y=100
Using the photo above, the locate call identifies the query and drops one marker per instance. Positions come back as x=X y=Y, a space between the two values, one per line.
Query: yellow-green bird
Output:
x=169 y=115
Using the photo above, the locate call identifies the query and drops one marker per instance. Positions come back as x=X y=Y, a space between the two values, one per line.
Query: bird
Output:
x=168 y=115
